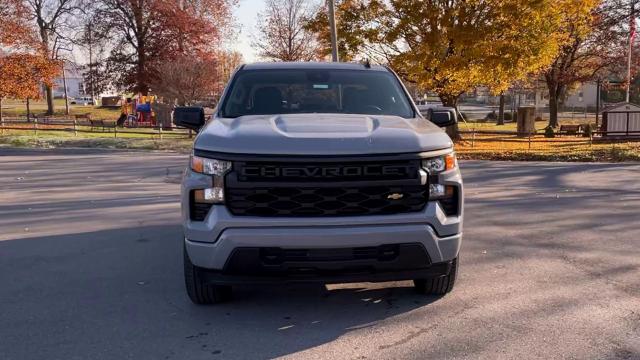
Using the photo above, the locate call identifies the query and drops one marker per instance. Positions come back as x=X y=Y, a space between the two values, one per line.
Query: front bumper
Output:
x=312 y=273
x=211 y=243
x=215 y=255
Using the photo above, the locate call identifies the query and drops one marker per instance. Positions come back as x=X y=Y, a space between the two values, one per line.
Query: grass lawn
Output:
x=564 y=148
x=56 y=141
x=512 y=126
x=129 y=138
x=561 y=148
x=139 y=138
x=480 y=146
x=87 y=132
x=18 y=108
x=483 y=147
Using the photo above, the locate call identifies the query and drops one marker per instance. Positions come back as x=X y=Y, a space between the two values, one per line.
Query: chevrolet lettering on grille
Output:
x=269 y=171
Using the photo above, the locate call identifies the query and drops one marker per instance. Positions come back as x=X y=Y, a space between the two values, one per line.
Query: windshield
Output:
x=295 y=91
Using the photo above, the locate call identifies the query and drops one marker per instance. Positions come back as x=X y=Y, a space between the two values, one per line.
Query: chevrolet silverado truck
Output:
x=320 y=172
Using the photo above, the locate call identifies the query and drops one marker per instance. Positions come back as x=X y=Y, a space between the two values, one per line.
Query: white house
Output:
x=74 y=80
x=584 y=95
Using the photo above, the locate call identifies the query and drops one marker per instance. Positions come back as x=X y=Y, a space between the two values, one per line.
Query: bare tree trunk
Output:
x=142 y=80
x=449 y=100
x=553 y=111
x=501 y=110
x=141 y=86
x=49 y=94
x=556 y=91
x=44 y=38
x=28 y=110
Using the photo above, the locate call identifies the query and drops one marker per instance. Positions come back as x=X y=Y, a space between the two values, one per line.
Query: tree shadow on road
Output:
x=121 y=292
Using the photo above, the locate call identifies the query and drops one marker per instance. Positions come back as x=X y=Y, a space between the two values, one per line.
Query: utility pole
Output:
x=66 y=97
x=64 y=81
x=598 y=84
x=632 y=35
x=334 y=35
x=93 y=95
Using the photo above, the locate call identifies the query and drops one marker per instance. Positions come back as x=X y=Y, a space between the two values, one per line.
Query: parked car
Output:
x=320 y=172
x=82 y=100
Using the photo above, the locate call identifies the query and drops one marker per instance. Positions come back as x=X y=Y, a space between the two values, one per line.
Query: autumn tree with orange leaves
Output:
x=54 y=22
x=24 y=65
x=190 y=79
x=186 y=79
x=148 y=33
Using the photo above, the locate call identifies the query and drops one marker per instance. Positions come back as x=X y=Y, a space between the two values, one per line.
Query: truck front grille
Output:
x=391 y=188
x=311 y=201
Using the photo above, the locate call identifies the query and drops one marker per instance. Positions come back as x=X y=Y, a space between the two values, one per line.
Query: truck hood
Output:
x=321 y=134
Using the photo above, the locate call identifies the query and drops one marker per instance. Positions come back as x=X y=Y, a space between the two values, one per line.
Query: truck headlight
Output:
x=439 y=164
x=216 y=168
x=209 y=166
x=445 y=194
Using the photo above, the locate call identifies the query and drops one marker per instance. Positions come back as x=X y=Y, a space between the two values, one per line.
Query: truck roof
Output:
x=312 y=65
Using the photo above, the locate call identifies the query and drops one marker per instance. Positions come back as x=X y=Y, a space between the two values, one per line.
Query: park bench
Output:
x=41 y=118
x=86 y=116
x=97 y=123
x=103 y=124
x=570 y=129
x=94 y=123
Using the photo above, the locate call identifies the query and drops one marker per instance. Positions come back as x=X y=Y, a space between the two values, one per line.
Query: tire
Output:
x=200 y=292
x=440 y=285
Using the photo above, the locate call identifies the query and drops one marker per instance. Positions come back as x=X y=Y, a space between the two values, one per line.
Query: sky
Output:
x=246 y=15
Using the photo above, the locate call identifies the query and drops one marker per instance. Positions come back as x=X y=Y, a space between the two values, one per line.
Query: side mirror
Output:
x=190 y=117
x=442 y=117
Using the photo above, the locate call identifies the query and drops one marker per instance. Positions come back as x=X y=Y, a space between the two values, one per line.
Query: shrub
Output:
x=549 y=132
x=492 y=116
x=588 y=130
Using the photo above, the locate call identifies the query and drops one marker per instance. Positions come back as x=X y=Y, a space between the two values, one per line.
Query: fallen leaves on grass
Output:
x=492 y=147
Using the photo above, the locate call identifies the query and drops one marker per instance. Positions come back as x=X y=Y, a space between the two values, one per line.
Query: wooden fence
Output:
x=105 y=128
x=508 y=141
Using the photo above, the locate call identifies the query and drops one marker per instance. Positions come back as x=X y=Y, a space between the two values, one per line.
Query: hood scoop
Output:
x=324 y=126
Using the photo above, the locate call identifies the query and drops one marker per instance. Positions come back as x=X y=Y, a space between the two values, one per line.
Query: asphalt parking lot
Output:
x=91 y=268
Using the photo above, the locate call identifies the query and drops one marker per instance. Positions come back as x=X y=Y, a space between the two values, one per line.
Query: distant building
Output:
x=74 y=80
x=583 y=95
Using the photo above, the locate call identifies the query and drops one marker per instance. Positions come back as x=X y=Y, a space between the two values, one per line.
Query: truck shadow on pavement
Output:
x=126 y=286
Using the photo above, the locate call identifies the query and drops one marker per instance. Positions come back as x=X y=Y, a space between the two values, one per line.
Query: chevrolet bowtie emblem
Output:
x=395 y=196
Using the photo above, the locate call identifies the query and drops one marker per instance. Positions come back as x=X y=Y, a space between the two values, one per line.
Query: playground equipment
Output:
x=138 y=112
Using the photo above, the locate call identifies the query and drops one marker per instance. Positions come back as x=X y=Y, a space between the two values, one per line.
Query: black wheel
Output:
x=200 y=292
x=440 y=285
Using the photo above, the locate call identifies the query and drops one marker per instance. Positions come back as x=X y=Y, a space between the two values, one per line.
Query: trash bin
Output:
x=163 y=115
x=526 y=121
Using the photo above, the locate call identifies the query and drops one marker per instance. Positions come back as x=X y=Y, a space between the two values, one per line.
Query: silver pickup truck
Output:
x=319 y=172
